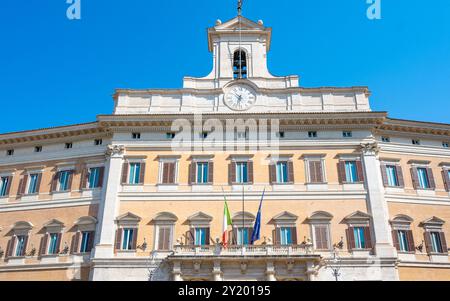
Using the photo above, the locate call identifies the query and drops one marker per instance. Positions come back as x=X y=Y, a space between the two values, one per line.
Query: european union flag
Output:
x=257 y=227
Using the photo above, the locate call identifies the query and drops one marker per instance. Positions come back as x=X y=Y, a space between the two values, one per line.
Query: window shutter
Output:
x=234 y=237
x=384 y=175
x=276 y=237
x=273 y=173
x=321 y=237
x=22 y=186
x=38 y=183
x=84 y=178
x=350 y=238
x=25 y=244
x=76 y=243
x=360 y=171
x=401 y=181
x=431 y=178
x=91 y=241
x=411 y=245
x=290 y=167
x=414 y=177
x=211 y=172
x=119 y=234
x=43 y=249
x=319 y=175
x=232 y=173
x=8 y=186
x=101 y=176
x=294 y=235
x=446 y=177
x=208 y=236
x=134 y=240
x=10 y=247
x=250 y=171
x=165 y=173
x=368 y=238
x=69 y=184
x=249 y=235
x=312 y=172
x=125 y=167
x=192 y=173
x=55 y=181
x=395 y=239
x=443 y=243
x=142 y=174
x=58 y=243
x=428 y=242
x=341 y=172
x=190 y=237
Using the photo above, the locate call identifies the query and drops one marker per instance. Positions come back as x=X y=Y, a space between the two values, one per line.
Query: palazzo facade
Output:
x=349 y=193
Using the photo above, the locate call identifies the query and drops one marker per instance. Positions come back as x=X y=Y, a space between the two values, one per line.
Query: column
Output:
x=376 y=203
x=270 y=271
x=176 y=272
x=217 y=272
x=109 y=204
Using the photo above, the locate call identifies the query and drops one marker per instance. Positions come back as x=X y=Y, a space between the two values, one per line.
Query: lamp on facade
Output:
x=1 y=252
x=335 y=263
x=143 y=247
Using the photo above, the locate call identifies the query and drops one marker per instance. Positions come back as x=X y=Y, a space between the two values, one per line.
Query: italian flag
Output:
x=226 y=223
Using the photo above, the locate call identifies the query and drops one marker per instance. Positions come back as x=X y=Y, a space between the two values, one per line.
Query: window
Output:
x=168 y=172
x=4 y=186
x=170 y=135
x=445 y=144
x=386 y=139
x=204 y=135
x=33 y=184
x=201 y=236
x=403 y=241
x=94 y=177
x=86 y=238
x=321 y=236
x=38 y=149
x=243 y=236
x=134 y=174
x=136 y=136
x=312 y=134
x=127 y=239
x=164 y=238
x=351 y=173
x=242 y=135
x=436 y=244
x=53 y=244
x=69 y=145
x=391 y=173
x=360 y=241
x=241 y=172
x=239 y=64
x=315 y=171
x=20 y=245
x=281 y=135
x=202 y=172
x=282 y=172
x=347 y=134
x=64 y=179
x=286 y=236
x=422 y=176
x=10 y=152
x=415 y=142
x=98 y=142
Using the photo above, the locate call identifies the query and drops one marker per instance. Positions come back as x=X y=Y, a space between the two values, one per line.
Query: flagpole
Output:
x=243 y=214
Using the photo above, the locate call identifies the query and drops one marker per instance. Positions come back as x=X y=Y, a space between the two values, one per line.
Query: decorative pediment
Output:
x=128 y=218
x=320 y=216
x=401 y=219
x=433 y=222
x=200 y=217
x=357 y=216
x=165 y=217
x=86 y=220
x=242 y=216
x=285 y=217
x=239 y=23
x=54 y=223
x=22 y=226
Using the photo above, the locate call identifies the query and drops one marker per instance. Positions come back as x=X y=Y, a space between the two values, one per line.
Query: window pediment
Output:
x=128 y=218
x=357 y=217
x=200 y=217
x=434 y=222
x=165 y=217
x=245 y=217
x=86 y=220
x=284 y=217
x=22 y=226
x=54 y=223
x=320 y=216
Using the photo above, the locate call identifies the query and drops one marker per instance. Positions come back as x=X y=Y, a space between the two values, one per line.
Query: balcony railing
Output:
x=247 y=250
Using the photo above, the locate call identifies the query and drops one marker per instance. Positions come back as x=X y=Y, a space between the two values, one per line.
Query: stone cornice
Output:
x=424 y=129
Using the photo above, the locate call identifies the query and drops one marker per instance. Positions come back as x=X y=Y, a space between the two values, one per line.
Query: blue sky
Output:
x=54 y=71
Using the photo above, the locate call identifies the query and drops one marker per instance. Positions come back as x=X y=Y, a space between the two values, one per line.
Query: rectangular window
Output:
x=285 y=236
x=98 y=142
x=94 y=177
x=204 y=135
x=200 y=236
x=351 y=173
x=10 y=152
x=20 y=245
x=242 y=135
x=127 y=239
x=422 y=175
x=243 y=236
x=85 y=239
x=403 y=241
x=63 y=180
x=445 y=144
x=360 y=241
x=32 y=186
x=164 y=238
x=321 y=237
x=315 y=171
x=280 y=135
x=282 y=172
x=38 y=149
x=169 y=170
x=436 y=244
x=4 y=182
x=136 y=136
x=170 y=135
x=386 y=139
x=202 y=173
x=391 y=173
x=312 y=134
x=415 y=142
x=241 y=172
x=347 y=134
x=69 y=145
x=53 y=244
x=134 y=174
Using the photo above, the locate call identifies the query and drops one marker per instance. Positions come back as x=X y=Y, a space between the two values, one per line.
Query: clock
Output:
x=240 y=98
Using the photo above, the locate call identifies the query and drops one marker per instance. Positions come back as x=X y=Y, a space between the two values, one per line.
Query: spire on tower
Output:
x=240 y=7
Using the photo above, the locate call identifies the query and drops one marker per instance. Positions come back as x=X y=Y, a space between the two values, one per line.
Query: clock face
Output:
x=240 y=98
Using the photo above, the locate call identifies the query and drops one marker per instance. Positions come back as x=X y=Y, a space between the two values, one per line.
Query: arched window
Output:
x=239 y=64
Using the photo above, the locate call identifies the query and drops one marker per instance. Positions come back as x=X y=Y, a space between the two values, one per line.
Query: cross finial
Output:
x=239 y=7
